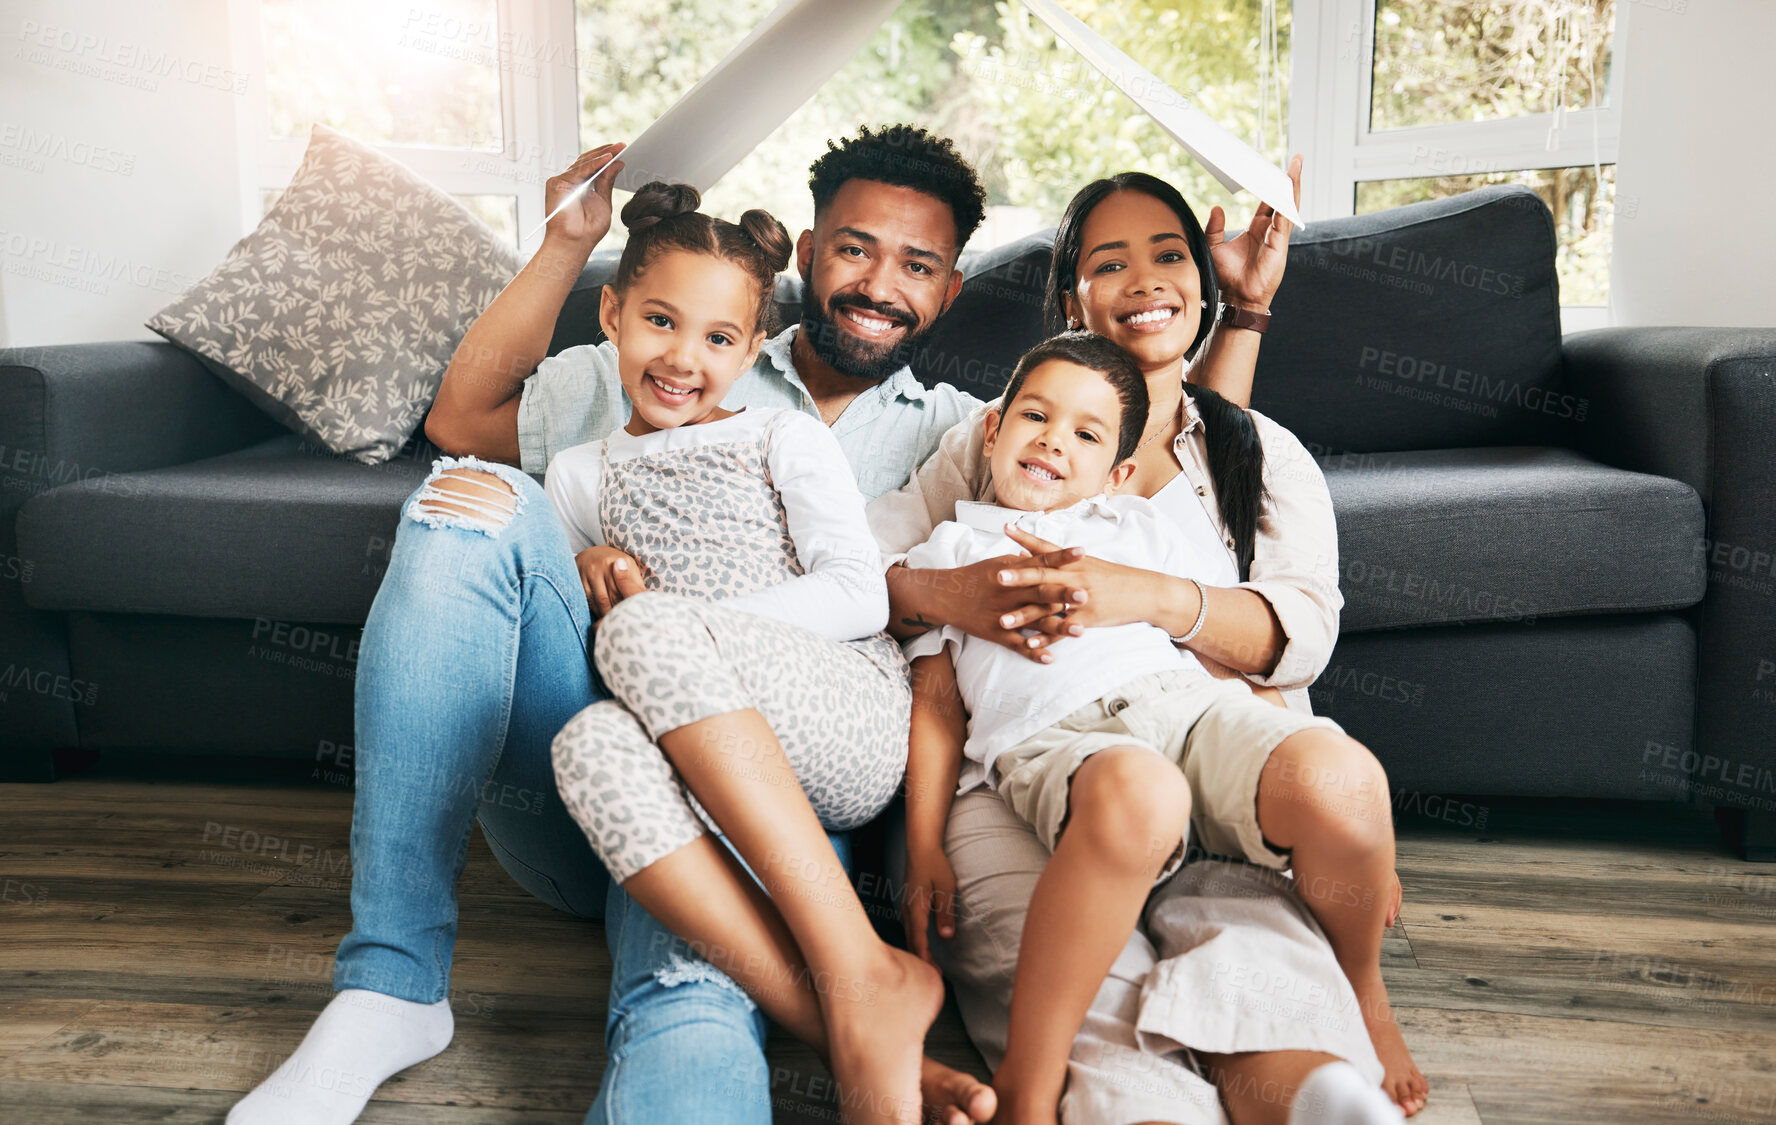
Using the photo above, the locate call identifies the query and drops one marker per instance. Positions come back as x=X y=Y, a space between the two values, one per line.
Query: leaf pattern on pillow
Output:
x=338 y=313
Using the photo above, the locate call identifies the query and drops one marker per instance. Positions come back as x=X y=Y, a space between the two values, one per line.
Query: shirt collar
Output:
x=776 y=351
x=992 y=517
x=1192 y=417
x=779 y=350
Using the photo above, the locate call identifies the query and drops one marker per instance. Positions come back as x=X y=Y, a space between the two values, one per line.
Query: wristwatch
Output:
x=1235 y=317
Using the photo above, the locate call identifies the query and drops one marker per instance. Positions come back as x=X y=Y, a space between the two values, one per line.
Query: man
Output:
x=474 y=654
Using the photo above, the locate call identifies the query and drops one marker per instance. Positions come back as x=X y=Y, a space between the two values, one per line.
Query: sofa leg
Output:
x=28 y=766
x=1750 y=832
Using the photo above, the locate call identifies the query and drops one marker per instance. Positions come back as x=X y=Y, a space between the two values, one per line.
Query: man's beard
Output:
x=849 y=355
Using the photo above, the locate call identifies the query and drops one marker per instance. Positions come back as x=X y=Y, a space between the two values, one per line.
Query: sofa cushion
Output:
x=1455 y=536
x=996 y=317
x=1430 y=326
x=278 y=530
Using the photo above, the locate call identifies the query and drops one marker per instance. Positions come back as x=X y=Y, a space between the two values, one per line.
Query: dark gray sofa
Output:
x=1555 y=553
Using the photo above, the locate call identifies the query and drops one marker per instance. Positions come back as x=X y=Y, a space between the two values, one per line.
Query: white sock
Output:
x=1338 y=1094
x=356 y=1043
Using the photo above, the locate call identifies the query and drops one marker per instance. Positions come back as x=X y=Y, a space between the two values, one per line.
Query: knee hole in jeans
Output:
x=468 y=498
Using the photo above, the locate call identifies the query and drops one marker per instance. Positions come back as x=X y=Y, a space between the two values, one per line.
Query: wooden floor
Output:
x=164 y=944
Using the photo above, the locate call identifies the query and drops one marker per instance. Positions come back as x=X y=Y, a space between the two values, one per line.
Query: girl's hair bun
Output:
x=658 y=200
x=770 y=235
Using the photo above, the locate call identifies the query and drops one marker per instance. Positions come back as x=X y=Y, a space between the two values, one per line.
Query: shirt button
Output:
x=1230 y=542
x=1201 y=491
x=1117 y=706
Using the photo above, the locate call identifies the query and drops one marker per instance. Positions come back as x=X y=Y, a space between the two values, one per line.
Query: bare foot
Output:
x=875 y=1025
x=1399 y=895
x=1401 y=1078
x=954 y=1098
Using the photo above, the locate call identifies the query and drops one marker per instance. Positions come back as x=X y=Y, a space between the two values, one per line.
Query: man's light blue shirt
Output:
x=886 y=432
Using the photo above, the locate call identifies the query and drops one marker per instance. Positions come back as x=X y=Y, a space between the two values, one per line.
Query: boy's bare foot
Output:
x=954 y=1098
x=875 y=1027
x=1401 y=1078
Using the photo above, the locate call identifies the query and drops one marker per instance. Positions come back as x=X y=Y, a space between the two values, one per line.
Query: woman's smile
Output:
x=1149 y=318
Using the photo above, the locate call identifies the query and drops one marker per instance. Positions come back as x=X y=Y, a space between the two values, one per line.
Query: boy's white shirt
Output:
x=1010 y=697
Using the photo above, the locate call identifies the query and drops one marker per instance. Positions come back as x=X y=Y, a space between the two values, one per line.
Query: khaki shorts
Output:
x=1216 y=730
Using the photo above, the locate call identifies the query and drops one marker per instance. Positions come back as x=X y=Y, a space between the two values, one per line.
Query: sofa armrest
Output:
x=1699 y=404
x=1655 y=394
x=83 y=410
x=77 y=412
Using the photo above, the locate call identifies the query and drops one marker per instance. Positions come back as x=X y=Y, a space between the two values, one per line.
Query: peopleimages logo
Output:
x=1417 y=266
x=91 y=267
x=35 y=147
x=42 y=681
x=1702 y=768
x=1459 y=380
x=132 y=64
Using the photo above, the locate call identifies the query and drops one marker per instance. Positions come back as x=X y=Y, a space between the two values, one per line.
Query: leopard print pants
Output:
x=670 y=661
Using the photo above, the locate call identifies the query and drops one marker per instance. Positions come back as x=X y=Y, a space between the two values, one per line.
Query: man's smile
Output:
x=868 y=323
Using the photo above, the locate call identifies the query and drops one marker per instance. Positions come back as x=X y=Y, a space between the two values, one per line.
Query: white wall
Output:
x=118 y=168
x=1695 y=239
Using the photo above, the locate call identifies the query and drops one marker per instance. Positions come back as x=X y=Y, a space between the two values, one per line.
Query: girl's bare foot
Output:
x=1401 y=1078
x=954 y=1098
x=876 y=1024
x=1397 y=896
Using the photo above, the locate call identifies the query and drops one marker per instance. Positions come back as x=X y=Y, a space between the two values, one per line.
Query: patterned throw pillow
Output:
x=338 y=314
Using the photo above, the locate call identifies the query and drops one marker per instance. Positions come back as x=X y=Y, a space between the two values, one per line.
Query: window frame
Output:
x=1332 y=52
x=539 y=118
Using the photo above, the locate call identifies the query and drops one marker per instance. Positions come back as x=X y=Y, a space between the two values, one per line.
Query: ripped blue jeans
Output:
x=682 y=1042
x=474 y=655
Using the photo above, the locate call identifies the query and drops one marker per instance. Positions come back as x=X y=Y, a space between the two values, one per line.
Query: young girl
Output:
x=753 y=688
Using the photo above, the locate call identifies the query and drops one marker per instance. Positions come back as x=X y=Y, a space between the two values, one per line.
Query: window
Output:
x=1448 y=61
x=1037 y=121
x=457 y=90
x=1421 y=99
x=489 y=98
x=386 y=86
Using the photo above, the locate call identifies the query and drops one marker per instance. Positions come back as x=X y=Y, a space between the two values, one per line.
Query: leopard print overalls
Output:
x=706 y=523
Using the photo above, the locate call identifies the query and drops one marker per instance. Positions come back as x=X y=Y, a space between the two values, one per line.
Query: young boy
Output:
x=1100 y=750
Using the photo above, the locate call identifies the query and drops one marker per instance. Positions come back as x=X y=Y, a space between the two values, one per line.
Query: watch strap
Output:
x=1235 y=317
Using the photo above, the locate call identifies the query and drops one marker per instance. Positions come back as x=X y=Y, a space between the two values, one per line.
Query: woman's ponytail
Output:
x=1236 y=465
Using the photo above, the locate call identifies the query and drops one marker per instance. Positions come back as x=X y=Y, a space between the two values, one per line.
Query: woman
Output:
x=1132 y=264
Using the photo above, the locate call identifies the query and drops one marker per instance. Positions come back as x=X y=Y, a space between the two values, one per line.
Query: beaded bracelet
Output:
x=1202 y=614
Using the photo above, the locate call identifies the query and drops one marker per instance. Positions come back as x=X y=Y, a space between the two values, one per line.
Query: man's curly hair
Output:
x=905 y=156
